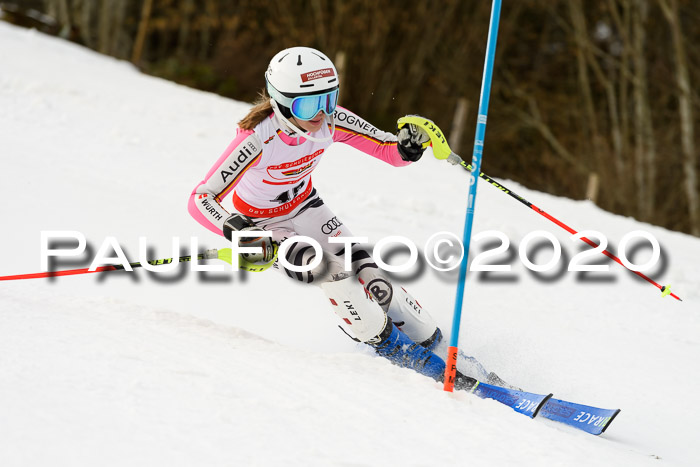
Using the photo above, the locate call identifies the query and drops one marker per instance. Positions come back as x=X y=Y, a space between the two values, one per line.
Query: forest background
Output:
x=590 y=99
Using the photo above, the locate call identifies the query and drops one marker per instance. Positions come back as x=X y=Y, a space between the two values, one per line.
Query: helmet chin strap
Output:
x=302 y=133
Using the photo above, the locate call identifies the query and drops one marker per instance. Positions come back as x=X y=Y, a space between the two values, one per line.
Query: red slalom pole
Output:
x=112 y=267
x=72 y=272
x=664 y=289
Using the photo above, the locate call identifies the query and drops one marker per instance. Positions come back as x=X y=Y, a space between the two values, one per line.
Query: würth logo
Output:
x=318 y=74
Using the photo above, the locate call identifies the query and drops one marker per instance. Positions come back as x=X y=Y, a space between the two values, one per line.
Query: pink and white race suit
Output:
x=268 y=172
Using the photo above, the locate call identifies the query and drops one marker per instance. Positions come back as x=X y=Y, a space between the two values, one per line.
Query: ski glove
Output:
x=240 y=223
x=412 y=142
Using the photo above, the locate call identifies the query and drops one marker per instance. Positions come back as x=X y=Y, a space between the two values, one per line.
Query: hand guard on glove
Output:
x=413 y=140
x=240 y=223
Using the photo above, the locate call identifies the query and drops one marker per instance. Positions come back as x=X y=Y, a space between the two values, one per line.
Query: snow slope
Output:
x=230 y=369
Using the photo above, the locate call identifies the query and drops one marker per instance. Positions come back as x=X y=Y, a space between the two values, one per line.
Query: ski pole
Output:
x=451 y=363
x=456 y=160
x=225 y=254
x=209 y=254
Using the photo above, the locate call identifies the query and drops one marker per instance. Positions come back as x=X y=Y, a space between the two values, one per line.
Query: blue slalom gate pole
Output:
x=451 y=366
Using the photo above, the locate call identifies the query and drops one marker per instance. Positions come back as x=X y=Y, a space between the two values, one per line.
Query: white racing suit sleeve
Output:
x=205 y=201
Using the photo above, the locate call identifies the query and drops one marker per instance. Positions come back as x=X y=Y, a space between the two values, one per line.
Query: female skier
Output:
x=267 y=169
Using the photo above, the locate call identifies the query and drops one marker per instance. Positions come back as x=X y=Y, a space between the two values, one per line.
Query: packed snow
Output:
x=223 y=368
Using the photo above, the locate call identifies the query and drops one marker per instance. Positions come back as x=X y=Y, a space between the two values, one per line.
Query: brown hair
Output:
x=260 y=111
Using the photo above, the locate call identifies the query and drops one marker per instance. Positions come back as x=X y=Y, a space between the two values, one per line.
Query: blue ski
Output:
x=592 y=420
x=526 y=403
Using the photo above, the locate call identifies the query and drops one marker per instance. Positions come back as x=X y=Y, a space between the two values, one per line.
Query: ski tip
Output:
x=610 y=421
x=542 y=404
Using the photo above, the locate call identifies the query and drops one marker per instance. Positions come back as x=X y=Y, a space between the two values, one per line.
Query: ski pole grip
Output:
x=441 y=149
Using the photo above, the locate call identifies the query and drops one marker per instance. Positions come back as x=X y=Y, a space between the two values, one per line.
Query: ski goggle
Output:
x=307 y=107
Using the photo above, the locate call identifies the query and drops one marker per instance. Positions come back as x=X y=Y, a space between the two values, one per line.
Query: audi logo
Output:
x=330 y=226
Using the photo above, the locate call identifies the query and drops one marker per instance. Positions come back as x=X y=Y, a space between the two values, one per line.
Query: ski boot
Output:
x=398 y=348
x=433 y=341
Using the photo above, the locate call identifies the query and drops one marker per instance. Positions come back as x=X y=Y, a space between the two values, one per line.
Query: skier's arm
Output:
x=358 y=133
x=205 y=201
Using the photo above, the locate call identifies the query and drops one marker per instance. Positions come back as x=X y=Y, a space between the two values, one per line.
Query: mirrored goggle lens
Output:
x=306 y=107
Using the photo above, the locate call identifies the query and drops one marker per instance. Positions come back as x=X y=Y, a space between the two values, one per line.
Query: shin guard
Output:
x=362 y=316
x=413 y=320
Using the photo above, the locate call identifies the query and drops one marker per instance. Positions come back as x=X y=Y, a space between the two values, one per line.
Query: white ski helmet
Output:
x=298 y=72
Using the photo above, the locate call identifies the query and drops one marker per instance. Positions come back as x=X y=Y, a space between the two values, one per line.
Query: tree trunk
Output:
x=119 y=43
x=187 y=8
x=685 y=110
x=86 y=23
x=104 y=28
x=209 y=22
x=141 y=34
x=645 y=146
x=589 y=120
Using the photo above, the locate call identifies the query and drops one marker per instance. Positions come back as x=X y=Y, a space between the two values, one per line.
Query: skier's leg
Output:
x=363 y=318
x=315 y=220
x=368 y=322
x=311 y=219
x=320 y=223
x=401 y=307
x=415 y=321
